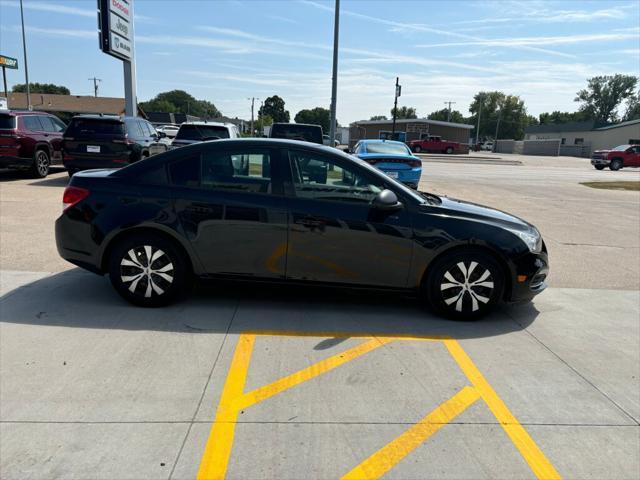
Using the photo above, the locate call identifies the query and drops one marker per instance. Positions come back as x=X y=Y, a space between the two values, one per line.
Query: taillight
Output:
x=72 y=196
x=415 y=163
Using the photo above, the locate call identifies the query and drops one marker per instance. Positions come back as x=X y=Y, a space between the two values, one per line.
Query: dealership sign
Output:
x=8 y=62
x=115 y=28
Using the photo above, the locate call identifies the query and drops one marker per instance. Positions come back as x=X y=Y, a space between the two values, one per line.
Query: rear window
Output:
x=85 y=126
x=388 y=148
x=7 y=121
x=292 y=131
x=202 y=132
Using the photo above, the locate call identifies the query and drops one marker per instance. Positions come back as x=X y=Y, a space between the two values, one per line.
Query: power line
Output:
x=95 y=85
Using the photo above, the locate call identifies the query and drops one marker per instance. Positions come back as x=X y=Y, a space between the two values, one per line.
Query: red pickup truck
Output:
x=616 y=158
x=434 y=144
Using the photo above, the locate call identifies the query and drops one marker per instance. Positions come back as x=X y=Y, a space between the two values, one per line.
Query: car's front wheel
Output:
x=599 y=167
x=449 y=151
x=148 y=271
x=464 y=284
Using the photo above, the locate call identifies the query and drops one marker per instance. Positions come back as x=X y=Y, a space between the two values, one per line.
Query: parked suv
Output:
x=195 y=132
x=297 y=131
x=30 y=141
x=616 y=158
x=107 y=141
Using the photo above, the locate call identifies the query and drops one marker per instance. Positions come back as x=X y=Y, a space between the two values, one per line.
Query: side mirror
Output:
x=162 y=135
x=386 y=200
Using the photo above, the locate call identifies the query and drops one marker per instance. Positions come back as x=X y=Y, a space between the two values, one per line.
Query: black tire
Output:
x=485 y=279
x=417 y=149
x=616 y=164
x=599 y=167
x=168 y=279
x=449 y=151
x=41 y=164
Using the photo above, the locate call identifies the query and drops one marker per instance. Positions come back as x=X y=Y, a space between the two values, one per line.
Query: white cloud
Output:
x=51 y=7
x=526 y=41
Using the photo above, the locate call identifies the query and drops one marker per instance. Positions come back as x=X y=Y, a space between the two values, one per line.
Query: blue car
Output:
x=393 y=158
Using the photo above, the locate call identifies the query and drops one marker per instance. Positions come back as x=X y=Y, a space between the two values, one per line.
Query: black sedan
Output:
x=254 y=209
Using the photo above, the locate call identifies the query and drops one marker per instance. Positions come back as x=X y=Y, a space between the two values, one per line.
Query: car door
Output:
x=230 y=204
x=54 y=129
x=335 y=235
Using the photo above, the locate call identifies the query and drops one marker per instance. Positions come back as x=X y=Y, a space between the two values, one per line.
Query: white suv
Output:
x=195 y=132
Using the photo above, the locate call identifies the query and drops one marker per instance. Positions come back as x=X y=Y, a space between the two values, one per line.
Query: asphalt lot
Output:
x=281 y=383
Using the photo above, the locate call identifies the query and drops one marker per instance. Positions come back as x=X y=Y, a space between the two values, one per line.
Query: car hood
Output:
x=472 y=211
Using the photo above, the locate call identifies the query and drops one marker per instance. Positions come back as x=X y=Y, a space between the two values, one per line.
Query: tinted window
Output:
x=32 y=123
x=293 y=131
x=60 y=126
x=202 y=132
x=7 y=121
x=48 y=125
x=153 y=176
x=247 y=171
x=133 y=129
x=389 y=148
x=320 y=178
x=85 y=126
x=186 y=171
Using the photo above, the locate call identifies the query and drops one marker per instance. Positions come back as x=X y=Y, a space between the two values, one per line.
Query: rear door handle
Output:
x=311 y=222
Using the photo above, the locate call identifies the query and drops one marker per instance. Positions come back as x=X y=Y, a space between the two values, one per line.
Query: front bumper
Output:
x=529 y=276
x=599 y=161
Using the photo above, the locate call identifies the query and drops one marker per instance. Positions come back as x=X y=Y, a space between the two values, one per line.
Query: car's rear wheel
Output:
x=41 y=163
x=464 y=284
x=616 y=164
x=599 y=167
x=148 y=271
x=417 y=149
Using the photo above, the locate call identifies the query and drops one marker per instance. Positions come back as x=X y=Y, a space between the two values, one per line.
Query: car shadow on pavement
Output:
x=78 y=299
x=57 y=181
x=8 y=175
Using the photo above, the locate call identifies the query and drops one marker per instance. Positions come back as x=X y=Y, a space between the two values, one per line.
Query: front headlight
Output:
x=531 y=238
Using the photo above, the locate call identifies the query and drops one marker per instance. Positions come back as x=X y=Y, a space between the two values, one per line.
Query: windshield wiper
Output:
x=430 y=197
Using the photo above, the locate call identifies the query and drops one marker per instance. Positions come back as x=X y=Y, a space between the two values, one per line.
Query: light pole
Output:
x=334 y=78
x=498 y=125
x=395 y=107
x=480 y=99
x=26 y=68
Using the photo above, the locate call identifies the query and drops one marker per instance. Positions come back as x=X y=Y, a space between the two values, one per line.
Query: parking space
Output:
x=265 y=382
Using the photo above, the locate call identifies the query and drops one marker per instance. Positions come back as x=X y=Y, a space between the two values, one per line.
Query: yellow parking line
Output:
x=323 y=366
x=392 y=453
x=216 y=453
x=541 y=466
x=343 y=334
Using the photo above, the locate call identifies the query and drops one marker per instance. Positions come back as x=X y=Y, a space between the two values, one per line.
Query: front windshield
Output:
x=388 y=148
x=621 y=148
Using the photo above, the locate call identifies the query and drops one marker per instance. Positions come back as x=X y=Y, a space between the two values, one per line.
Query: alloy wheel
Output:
x=467 y=286
x=146 y=271
x=42 y=163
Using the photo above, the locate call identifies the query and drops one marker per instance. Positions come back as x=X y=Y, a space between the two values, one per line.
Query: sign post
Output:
x=395 y=106
x=7 y=62
x=115 y=24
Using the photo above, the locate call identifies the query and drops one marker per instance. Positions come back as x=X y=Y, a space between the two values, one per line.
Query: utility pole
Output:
x=497 y=125
x=334 y=79
x=26 y=68
x=95 y=85
x=253 y=99
x=480 y=99
x=449 y=110
x=395 y=107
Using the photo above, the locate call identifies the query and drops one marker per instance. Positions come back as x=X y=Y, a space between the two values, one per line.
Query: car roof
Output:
x=102 y=117
x=25 y=112
x=204 y=124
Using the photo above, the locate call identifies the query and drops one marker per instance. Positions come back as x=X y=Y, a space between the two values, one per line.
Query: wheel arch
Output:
x=104 y=260
x=42 y=146
x=468 y=247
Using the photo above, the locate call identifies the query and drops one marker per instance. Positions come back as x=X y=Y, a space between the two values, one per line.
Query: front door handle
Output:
x=311 y=223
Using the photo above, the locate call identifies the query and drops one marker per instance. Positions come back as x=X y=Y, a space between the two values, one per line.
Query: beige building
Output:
x=587 y=134
x=409 y=129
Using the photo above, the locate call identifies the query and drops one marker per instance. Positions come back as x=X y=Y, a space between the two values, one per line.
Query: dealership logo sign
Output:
x=8 y=62
x=115 y=28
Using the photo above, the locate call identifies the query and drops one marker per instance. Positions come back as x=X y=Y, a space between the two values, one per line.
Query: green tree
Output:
x=443 y=115
x=558 y=117
x=633 y=108
x=509 y=109
x=179 y=101
x=316 y=116
x=604 y=94
x=274 y=107
x=263 y=121
x=41 y=88
x=378 y=117
x=405 y=112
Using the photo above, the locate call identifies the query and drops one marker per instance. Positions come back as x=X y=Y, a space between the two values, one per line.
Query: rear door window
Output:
x=185 y=172
x=32 y=123
x=241 y=170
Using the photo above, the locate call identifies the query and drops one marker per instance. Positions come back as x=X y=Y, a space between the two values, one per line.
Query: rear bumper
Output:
x=92 y=163
x=407 y=176
x=72 y=242
x=529 y=276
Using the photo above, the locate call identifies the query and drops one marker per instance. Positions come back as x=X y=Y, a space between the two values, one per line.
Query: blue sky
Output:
x=226 y=51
